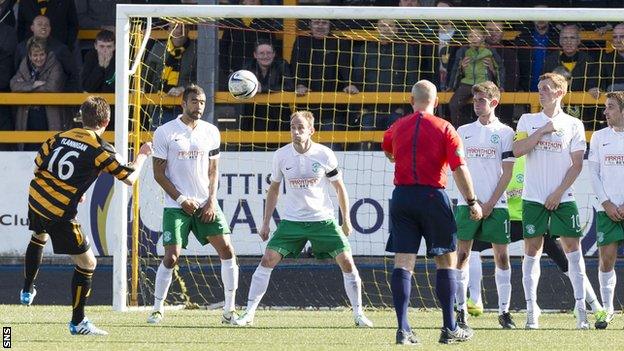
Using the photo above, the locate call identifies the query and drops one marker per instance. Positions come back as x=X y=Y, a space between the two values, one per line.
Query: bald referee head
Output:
x=424 y=96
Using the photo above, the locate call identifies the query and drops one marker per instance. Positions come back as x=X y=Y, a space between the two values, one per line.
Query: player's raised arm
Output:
x=523 y=143
x=137 y=165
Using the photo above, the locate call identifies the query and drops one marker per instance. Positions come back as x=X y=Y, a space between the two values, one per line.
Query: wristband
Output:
x=471 y=202
x=181 y=199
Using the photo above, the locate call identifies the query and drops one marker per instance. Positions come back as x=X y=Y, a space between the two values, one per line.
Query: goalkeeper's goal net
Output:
x=354 y=68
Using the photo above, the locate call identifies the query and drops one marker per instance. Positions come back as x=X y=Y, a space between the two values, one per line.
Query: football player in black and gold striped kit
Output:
x=66 y=165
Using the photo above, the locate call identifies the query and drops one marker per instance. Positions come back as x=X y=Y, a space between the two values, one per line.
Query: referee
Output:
x=423 y=146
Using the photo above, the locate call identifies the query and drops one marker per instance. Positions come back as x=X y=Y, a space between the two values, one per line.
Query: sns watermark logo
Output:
x=530 y=229
x=6 y=337
x=495 y=138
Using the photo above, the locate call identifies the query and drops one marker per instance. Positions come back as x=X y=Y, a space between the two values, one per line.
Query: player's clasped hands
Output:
x=553 y=200
x=486 y=208
x=190 y=206
x=616 y=214
x=208 y=214
x=476 y=213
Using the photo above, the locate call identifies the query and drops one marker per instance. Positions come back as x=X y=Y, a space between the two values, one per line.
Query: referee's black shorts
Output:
x=416 y=212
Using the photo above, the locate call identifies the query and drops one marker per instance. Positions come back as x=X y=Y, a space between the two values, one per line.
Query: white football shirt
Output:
x=548 y=163
x=486 y=148
x=607 y=150
x=307 y=178
x=188 y=153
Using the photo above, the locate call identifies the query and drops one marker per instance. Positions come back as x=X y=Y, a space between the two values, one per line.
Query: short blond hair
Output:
x=488 y=88
x=617 y=96
x=307 y=115
x=558 y=80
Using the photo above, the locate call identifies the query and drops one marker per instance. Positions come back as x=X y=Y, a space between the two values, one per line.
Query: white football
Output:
x=243 y=85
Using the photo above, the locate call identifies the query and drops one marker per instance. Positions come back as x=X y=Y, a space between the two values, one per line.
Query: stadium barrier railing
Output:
x=75 y=99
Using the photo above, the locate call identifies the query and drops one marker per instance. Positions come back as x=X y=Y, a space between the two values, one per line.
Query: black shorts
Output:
x=418 y=212
x=67 y=236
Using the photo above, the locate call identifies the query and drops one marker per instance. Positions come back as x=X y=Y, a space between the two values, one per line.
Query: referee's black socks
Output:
x=446 y=286
x=401 y=285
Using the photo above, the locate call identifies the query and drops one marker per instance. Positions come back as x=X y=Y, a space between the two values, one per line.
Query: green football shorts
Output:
x=326 y=238
x=537 y=220
x=177 y=226
x=493 y=229
x=608 y=231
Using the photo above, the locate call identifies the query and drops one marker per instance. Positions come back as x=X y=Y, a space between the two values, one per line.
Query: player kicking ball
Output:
x=308 y=169
x=488 y=149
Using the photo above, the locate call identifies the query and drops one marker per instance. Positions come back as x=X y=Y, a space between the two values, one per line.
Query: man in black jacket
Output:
x=62 y=15
x=577 y=62
x=98 y=70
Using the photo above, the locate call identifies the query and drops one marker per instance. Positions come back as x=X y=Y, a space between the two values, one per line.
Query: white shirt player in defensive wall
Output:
x=554 y=143
x=186 y=161
x=308 y=169
x=606 y=163
x=487 y=146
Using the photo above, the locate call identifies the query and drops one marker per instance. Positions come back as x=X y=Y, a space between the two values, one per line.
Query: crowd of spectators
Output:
x=40 y=52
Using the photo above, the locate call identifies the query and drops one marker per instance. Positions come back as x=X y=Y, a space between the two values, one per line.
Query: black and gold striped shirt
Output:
x=67 y=165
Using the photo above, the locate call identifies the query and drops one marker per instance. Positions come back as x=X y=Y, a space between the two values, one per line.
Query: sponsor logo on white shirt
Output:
x=303 y=183
x=190 y=154
x=480 y=152
x=614 y=160
x=550 y=146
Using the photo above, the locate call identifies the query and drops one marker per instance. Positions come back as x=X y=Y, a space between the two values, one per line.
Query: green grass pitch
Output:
x=45 y=328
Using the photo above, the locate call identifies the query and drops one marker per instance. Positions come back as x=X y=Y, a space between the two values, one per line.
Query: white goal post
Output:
x=119 y=219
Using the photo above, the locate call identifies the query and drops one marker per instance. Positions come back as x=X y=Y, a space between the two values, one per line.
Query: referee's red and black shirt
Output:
x=423 y=146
